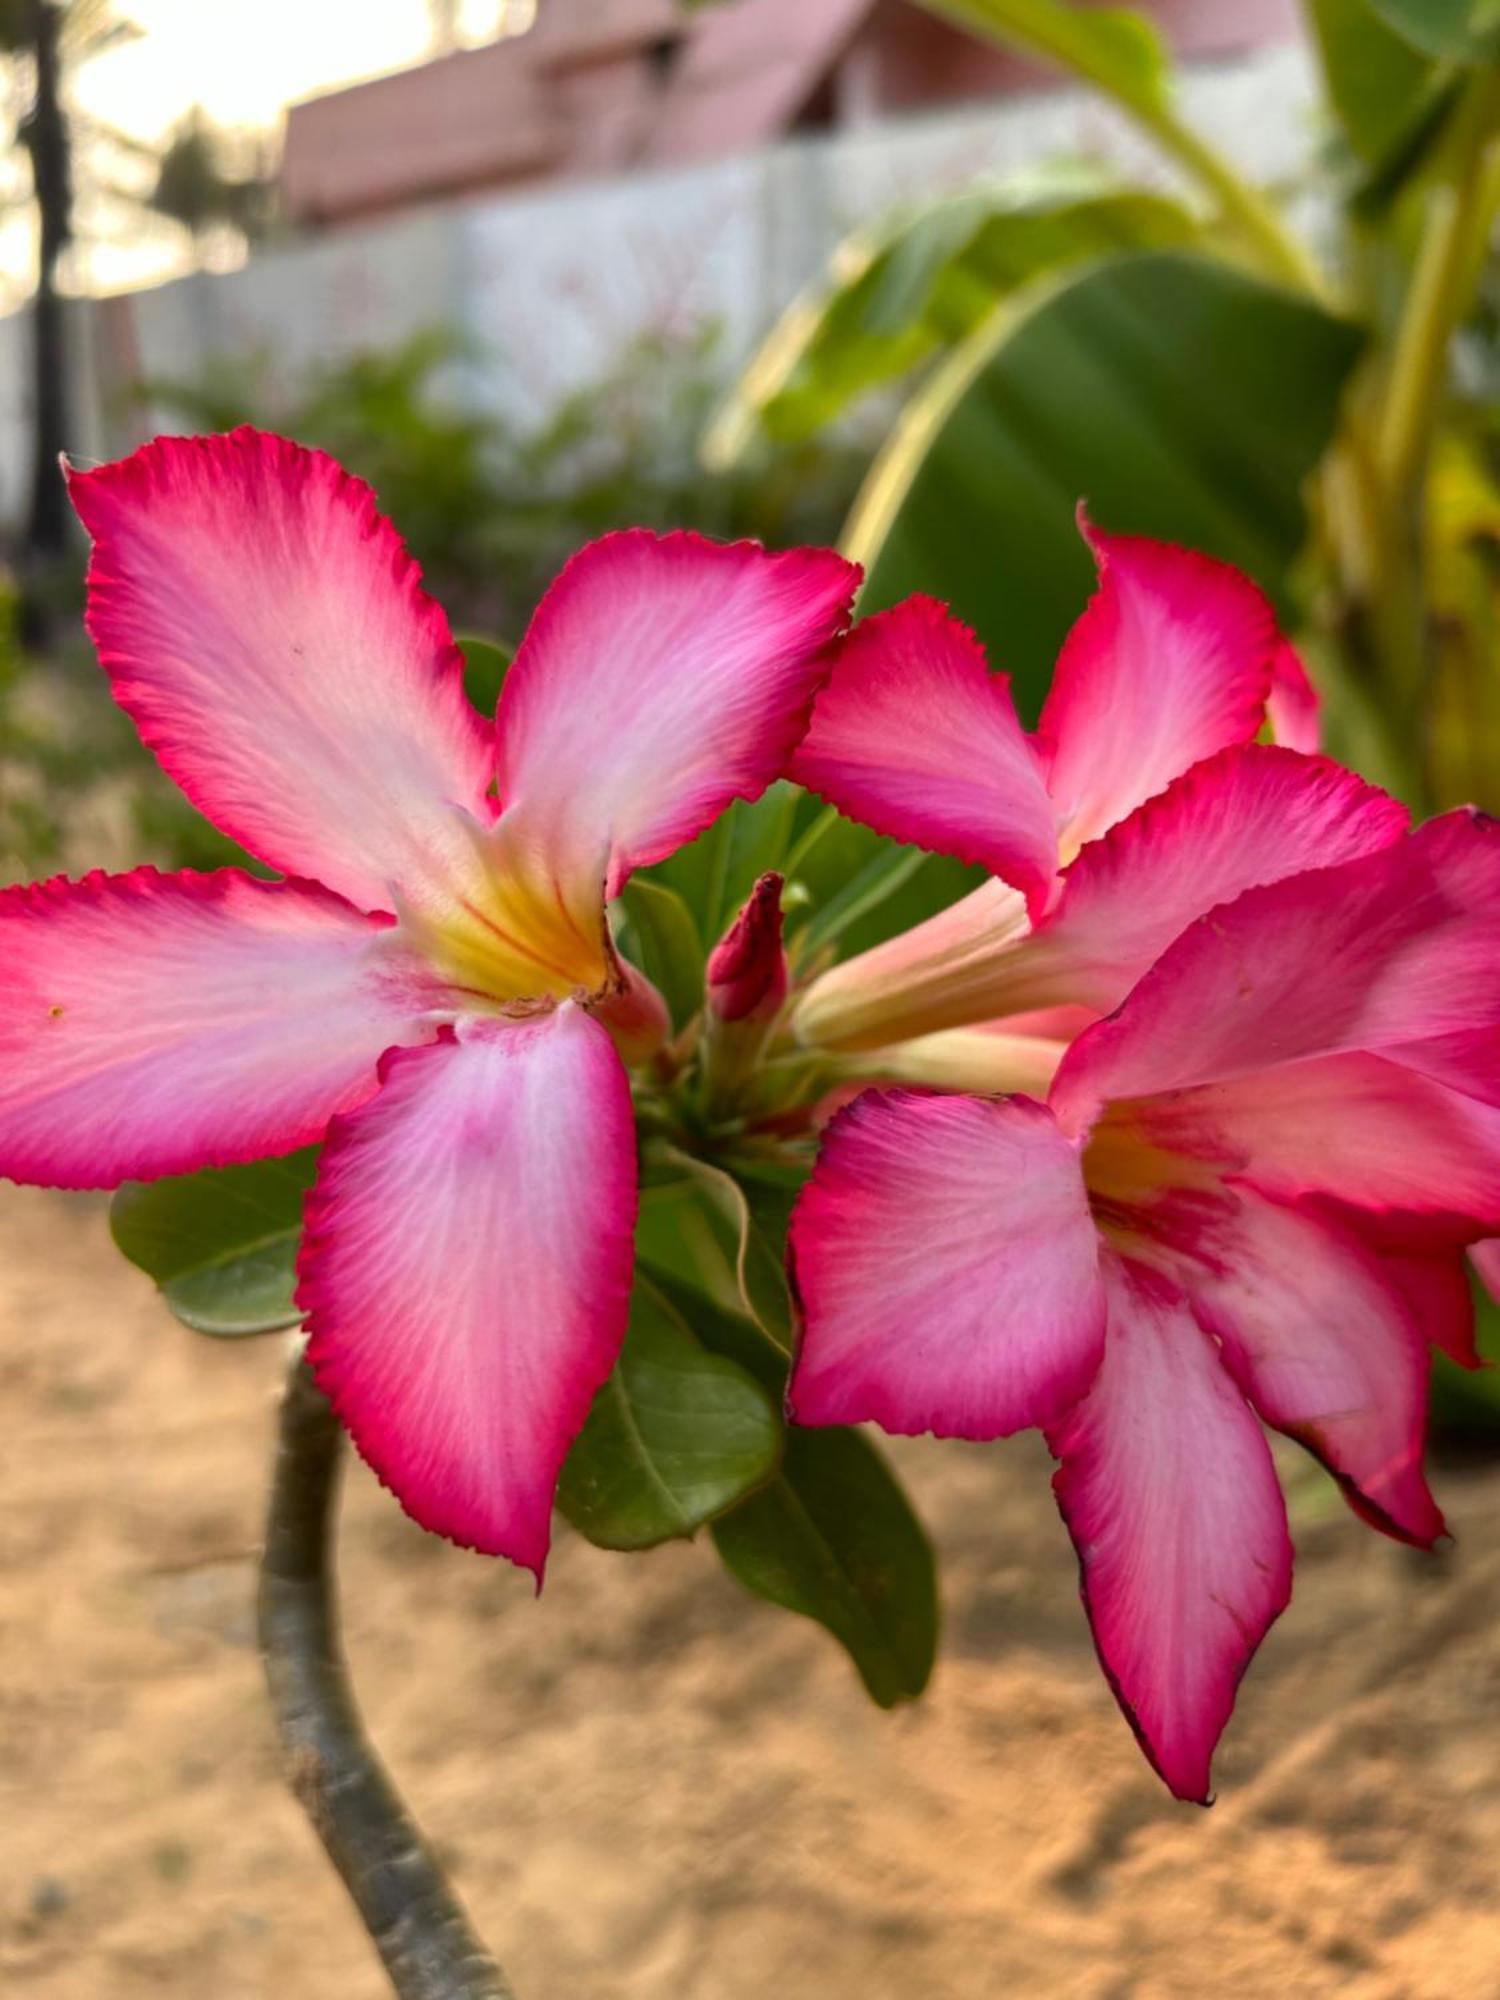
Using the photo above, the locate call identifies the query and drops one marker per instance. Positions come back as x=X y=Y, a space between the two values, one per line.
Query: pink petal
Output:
x=1485 y=1257
x=1435 y=1285
x=1250 y=815
x=947 y=1269
x=1294 y=705
x=1401 y=946
x=154 y=1024
x=265 y=629
x=1363 y=1130
x=1468 y=1062
x=466 y=1269
x=1324 y=1336
x=662 y=677
x=915 y=737
x=1169 y=1493
x=1170 y=662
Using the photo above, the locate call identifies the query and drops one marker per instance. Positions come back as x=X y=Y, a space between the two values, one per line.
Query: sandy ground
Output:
x=650 y=1785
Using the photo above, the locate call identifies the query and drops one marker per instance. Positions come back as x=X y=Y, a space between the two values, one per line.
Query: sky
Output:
x=243 y=61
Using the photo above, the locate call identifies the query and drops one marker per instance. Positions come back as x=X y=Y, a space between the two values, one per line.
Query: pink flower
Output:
x=432 y=987
x=1247 y=1197
x=1141 y=800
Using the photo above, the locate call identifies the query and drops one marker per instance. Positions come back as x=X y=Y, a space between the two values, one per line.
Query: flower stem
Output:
x=413 y=1917
x=1460 y=211
x=1043 y=29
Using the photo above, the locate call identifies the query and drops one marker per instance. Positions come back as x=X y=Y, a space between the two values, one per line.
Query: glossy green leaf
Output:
x=1181 y=398
x=851 y=887
x=725 y=1329
x=222 y=1245
x=1116 y=49
x=675 y=1436
x=660 y=936
x=1377 y=82
x=1466 y=31
x=716 y=872
x=834 y=1538
x=913 y=290
x=680 y=1239
x=486 y=663
x=745 y=1264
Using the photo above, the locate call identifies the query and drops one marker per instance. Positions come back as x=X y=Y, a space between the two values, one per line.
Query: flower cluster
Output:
x=1186 y=1118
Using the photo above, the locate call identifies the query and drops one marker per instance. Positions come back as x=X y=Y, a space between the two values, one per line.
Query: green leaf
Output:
x=834 y=1538
x=833 y=1535
x=715 y=873
x=747 y=1268
x=222 y=1244
x=898 y=297
x=1377 y=82
x=848 y=885
x=486 y=663
x=880 y=878
x=1466 y=31
x=1118 y=50
x=661 y=938
x=1180 y=398
x=724 y=1329
x=675 y=1436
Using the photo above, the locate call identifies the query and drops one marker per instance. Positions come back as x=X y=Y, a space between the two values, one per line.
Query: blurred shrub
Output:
x=490 y=512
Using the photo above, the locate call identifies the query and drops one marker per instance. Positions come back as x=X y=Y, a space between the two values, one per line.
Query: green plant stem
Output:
x=1043 y=31
x=1459 y=213
x=1281 y=254
x=1391 y=421
x=413 y=1917
x=1380 y=584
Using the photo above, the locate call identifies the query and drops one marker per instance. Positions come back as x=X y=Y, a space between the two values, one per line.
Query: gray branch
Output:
x=414 y=1919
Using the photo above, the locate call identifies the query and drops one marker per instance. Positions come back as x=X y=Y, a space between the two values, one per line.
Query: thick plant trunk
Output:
x=413 y=1917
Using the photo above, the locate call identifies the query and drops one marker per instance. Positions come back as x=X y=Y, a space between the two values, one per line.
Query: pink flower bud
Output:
x=747 y=968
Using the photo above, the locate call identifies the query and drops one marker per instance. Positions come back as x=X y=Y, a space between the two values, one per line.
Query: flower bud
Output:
x=747 y=968
x=746 y=987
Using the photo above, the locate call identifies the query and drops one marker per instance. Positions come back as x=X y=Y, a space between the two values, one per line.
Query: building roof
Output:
x=599 y=86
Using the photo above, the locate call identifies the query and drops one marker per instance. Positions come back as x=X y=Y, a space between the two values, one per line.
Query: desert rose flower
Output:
x=1246 y=1200
x=432 y=988
x=1141 y=800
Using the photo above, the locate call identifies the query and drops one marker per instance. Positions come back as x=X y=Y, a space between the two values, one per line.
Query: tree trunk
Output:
x=46 y=138
x=414 y=1919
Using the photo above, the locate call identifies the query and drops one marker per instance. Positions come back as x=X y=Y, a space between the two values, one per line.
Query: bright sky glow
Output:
x=244 y=61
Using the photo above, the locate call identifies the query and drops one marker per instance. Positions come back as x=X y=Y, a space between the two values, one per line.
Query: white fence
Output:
x=556 y=283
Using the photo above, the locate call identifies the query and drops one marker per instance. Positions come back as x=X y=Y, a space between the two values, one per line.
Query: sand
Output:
x=648 y=1784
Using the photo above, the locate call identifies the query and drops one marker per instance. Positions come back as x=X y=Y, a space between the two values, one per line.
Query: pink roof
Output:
x=590 y=31
x=598 y=86
x=747 y=72
x=461 y=122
